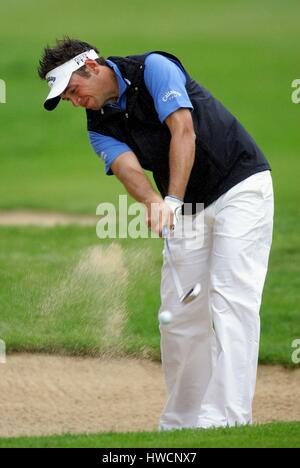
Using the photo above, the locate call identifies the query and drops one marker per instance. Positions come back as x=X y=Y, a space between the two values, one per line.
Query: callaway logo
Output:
x=50 y=80
x=170 y=95
x=81 y=58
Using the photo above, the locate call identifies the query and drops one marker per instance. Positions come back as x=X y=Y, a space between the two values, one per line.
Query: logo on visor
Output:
x=50 y=80
x=81 y=58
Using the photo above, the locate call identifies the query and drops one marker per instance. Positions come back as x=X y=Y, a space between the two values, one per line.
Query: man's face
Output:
x=90 y=92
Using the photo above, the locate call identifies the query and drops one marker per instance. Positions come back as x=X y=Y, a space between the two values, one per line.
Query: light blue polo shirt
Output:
x=165 y=81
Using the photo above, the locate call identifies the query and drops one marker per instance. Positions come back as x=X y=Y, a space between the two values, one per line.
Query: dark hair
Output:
x=64 y=50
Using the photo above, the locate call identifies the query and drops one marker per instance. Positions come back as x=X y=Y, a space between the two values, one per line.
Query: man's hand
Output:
x=164 y=213
x=175 y=204
x=158 y=215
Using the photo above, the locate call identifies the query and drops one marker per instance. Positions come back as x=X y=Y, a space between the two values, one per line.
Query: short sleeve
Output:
x=108 y=148
x=165 y=81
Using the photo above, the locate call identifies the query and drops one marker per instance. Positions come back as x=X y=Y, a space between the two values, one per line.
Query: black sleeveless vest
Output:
x=225 y=152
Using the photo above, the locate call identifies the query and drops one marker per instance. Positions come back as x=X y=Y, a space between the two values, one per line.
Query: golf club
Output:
x=184 y=298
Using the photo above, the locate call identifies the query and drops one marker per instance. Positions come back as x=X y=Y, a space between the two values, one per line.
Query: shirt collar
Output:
x=122 y=82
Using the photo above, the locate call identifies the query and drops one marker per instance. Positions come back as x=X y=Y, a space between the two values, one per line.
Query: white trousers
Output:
x=210 y=349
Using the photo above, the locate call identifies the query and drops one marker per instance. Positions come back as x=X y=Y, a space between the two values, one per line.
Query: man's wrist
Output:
x=174 y=198
x=152 y=198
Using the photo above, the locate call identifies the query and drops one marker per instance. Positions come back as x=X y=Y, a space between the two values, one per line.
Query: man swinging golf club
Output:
x=146 y=112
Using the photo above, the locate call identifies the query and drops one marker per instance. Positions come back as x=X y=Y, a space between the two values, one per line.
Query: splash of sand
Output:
x=94 y=290
x=93 y=293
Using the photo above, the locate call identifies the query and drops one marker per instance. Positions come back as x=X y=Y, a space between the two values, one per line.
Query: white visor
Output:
x=58 y=78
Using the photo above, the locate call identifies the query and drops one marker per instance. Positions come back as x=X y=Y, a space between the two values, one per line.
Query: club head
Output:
x=191 y=294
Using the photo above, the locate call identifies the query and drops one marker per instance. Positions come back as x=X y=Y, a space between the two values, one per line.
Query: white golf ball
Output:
x=165 y=317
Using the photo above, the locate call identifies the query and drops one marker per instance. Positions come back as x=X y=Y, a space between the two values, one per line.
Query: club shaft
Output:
x=173 y=271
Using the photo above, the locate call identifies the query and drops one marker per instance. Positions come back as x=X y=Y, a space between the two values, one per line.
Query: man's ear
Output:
x=92 y=66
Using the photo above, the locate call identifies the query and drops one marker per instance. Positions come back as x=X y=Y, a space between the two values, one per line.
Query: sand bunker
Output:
x=43 y=394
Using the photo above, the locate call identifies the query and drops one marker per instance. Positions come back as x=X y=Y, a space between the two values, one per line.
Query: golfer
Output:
x=146 y=112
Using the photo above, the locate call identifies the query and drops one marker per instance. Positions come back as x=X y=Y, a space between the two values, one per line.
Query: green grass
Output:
x=279 y=435
x=55 y=298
